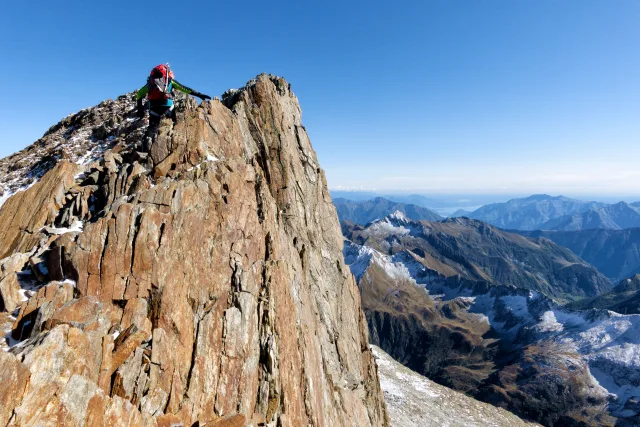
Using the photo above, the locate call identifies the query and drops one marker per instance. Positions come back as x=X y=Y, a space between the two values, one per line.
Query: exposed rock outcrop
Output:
x=202 y=283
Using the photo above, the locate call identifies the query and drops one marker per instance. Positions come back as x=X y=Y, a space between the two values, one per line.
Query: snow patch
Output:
x=8 y=193
x=25 y=294
x=549 y=323
x=5 y=196
x=384 y=229
x=398 y=216
x=360 y=258
x=69 y=282
x=76 y=227
x=622 y=393
x=413 y=400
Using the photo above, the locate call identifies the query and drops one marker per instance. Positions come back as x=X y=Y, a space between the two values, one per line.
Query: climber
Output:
x=158 y=90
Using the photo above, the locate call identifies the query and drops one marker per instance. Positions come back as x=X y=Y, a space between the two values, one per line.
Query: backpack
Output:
x=159 y=83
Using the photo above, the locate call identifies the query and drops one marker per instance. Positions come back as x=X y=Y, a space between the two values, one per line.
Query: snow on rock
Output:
x=609 y=343
x=549 y=323
x=209 y=158
x=359 y=258
x=81 y=138
x=76 y=227
x=415 y=401
x=611 y=346
x=7 y=192
x=399 y=216
x=386 y=228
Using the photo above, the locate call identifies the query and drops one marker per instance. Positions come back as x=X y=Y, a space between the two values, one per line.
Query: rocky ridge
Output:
x=202 y=283
x=623 y=299
x=615 y=253
x=530 y=213
x=367 y=211
x=478 y=251
x=609 y=217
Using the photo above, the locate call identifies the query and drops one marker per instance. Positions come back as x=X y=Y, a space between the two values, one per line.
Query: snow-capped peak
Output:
x=399 y=216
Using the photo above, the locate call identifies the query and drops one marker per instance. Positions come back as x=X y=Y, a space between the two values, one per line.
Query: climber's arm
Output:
x=182 y=88
x=189 y=91
x=142 y=92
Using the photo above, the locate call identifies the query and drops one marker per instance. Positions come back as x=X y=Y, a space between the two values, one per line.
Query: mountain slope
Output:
x=413 y=400
x=614 y=217
x=201 y=284
x=531 y=212
x=477 y=251
x=364 y=212
x=461 y=213
x=623 y=299
x=615 y=253
x=510 y=347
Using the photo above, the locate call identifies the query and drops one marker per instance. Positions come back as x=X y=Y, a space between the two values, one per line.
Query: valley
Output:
x=482 y=311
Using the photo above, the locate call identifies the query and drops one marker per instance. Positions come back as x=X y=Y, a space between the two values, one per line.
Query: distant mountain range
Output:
x=363 y=212
x=532 y=212
x=537 y=212
x=615 y=253
x=478 y=251
x=544 y=212
x=465 y=304
x=361 y=196
x=612 y=217
x=442 y=204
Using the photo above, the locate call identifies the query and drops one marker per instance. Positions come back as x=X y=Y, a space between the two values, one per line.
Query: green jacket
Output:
x=173 y=84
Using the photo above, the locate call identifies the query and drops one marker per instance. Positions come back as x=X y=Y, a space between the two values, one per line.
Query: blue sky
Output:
x=442 y=96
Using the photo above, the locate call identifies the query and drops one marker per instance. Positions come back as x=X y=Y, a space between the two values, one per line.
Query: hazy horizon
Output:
x=431 y=96
x=627 y=197
x=447 y=203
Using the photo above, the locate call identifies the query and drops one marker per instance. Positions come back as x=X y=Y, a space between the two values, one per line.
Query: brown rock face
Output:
x=24 y=214
x=207 y=283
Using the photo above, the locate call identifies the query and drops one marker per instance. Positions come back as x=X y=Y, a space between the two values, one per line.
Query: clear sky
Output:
x=432 y=96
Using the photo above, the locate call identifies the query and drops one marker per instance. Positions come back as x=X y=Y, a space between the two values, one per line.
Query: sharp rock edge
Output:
x=202 y=282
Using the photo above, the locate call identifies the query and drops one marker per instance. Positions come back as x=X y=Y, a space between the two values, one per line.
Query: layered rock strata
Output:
x=201 y=283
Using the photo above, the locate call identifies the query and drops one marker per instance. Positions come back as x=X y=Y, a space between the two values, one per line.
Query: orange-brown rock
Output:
x=24 y=214
x=14 y=378
x=87 y=313
x=231 y=421
x=10 y=296
x=41 y=307
x=210 y=284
